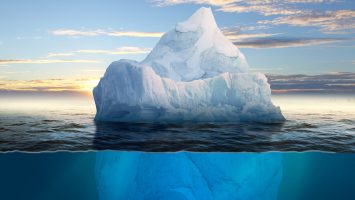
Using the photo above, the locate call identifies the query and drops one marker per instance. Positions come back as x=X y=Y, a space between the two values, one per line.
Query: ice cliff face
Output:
x=193 y=74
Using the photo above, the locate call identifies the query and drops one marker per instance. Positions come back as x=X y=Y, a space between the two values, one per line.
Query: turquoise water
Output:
x=122 y=175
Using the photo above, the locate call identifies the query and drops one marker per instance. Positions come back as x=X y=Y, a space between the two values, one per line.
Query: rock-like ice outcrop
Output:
x=194 y=73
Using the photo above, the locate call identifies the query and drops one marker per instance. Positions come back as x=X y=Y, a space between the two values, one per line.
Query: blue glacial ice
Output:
x=177 y=176
x=194 y=73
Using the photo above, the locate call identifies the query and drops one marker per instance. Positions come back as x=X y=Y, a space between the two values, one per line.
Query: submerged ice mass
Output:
x=182 y=176
x=194 y=73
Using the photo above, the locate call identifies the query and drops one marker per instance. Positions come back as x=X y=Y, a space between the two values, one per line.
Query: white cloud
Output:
x=73 y=32
x=263 y=7
x=237 y=35
x=134 y=34
x=266 y=9
x=59 y=54
x=328 y=21
x=208 y=2
x=252 y=28
x=43 y=61
x=80 y=33
x=119 y=51
x=221 y=3
x=288 y=12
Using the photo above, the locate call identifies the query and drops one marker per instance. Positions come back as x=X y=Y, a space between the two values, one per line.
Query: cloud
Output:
x=250 y=28
x=242 y=36
x=221 y=3
x=134 y=34
x=14 y=72
x=119 y=51
x=263 y=7
x=40 y=85
x=58 y=54
x=40 y=61
x=80 y=33
x=73 y=32
x=288 y=11
x=266 y=70
x=236 y=34
x=329 y=21
x=163 y=3
x=28 y=38
x=49 y=88
x=283 y=42
x=336 y=82
x=307 y=1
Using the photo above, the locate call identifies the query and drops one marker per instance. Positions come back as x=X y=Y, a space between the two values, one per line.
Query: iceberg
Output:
x=194 y=73
x=183 y=175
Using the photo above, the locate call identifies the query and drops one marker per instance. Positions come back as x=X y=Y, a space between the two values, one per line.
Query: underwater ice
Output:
x=194 y=73
x=182 y=176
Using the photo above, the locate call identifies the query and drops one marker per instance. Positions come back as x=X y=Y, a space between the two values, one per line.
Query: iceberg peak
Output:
x=195 y=49
x=202 y=18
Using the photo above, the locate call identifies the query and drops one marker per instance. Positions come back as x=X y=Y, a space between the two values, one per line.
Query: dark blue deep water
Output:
x=127 y=175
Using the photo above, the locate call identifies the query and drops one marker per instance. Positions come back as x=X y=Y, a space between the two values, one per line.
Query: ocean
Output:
x=51 y=148
x=314 y=123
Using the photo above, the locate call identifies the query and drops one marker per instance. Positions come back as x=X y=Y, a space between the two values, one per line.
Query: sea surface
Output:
x=314 y=123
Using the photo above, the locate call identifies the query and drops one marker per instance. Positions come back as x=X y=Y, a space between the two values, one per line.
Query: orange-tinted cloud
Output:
x=44 y=61
x=80 y=85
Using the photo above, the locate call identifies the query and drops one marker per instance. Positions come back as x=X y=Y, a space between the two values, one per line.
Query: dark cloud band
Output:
x=343 y=82
x=283 y=42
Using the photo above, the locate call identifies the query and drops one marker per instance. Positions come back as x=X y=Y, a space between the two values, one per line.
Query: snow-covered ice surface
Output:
x=195 y=49
x=194 y=73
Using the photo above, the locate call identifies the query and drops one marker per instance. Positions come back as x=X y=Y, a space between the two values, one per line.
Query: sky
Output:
x=67 y=45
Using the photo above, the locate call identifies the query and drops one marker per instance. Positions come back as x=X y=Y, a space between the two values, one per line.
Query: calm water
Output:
x=324 y=123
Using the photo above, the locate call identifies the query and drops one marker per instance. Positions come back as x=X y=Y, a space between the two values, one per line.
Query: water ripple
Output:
x=76 y=131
